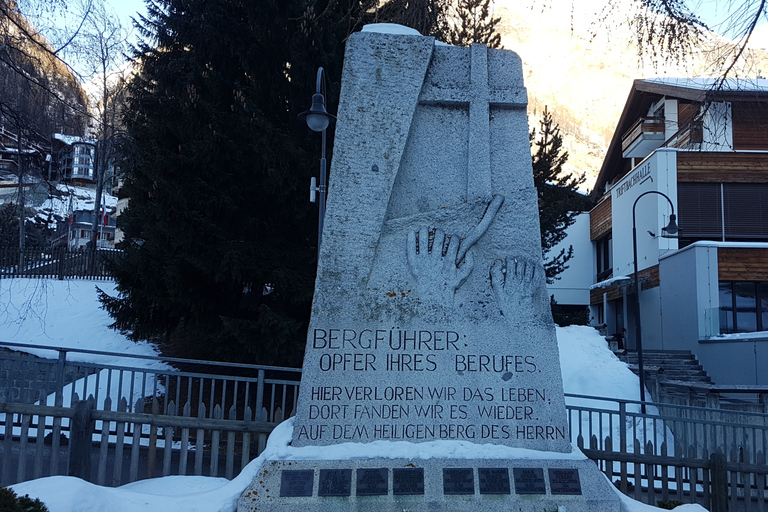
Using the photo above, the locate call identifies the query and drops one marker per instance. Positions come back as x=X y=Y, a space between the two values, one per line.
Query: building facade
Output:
x=75 y=158
x=700 y=148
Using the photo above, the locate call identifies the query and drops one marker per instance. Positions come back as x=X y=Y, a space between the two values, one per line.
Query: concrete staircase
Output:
x=667 y=366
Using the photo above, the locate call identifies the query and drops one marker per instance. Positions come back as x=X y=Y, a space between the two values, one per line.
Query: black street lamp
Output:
x=670 y=229
x=318 y=120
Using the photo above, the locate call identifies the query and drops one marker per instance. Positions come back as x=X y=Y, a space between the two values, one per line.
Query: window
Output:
x=604 y=253
x=723 y=211
x=743 y=306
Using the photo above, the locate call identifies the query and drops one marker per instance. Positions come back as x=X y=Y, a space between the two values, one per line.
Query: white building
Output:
x=706 y=149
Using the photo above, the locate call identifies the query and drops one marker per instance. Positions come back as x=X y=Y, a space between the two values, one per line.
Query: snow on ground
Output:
x=67 y=314
x=79 y=198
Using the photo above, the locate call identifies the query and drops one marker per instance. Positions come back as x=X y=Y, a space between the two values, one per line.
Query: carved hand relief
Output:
x=441 y=264
x=514 y=281
x=435 y=268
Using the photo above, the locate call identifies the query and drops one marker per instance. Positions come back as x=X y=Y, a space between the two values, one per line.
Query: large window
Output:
x=723 y=211
x=743 y=306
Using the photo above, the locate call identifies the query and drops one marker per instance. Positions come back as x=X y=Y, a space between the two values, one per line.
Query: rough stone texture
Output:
x=431 y=316
x=264 y=494
x=431 y=167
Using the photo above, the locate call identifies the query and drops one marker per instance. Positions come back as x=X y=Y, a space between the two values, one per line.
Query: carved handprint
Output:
x=514 y=281
x=437 y=273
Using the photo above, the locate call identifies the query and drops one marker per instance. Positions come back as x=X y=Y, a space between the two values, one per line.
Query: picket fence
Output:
x=112 y=423
x=56 y=263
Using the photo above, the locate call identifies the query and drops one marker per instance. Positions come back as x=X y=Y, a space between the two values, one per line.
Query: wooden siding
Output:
x=596 y=295
x=699 y=166
x=649 y=278
x=750 y=126
x=686 y=112
x=737 y=264
x=600 y=220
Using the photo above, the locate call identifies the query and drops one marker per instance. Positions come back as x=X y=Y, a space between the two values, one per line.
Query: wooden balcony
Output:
x=690 y=136
x=646 y=135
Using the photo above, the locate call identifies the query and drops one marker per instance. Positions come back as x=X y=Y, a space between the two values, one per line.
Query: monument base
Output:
x=445 y=484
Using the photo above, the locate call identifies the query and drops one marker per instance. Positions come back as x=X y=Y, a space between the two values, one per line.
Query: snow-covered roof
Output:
x=707 y=84
x=614 y=281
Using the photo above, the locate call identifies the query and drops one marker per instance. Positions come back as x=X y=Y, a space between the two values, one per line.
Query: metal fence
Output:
x=58 y=263
x=113 y=424
x=713 y=457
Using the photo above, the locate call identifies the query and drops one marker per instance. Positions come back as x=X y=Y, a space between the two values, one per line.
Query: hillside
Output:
x=580 y=58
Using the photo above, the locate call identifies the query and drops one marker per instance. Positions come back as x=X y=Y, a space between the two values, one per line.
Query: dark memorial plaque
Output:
x=564 y=481
x=407 y=481
x=372 y=482
x=493 y=480
x=335 y=482
x=529 y=481
x=296 y=483
x=458 y=481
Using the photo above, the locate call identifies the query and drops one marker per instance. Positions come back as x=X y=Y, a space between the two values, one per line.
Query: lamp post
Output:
x=318 y=119
x=670 y=229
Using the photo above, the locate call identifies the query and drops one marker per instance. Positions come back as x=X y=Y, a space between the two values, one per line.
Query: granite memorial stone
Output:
x=431 y=318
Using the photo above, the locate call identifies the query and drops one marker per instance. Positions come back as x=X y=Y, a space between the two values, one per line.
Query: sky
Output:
x=126 y=9
x=711 y=12
x=68 y=314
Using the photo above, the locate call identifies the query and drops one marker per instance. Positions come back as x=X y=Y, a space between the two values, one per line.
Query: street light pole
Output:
x=318 y=119
x=671 y=229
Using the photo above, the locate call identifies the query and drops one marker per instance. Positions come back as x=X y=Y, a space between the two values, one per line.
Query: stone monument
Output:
x=431 y=318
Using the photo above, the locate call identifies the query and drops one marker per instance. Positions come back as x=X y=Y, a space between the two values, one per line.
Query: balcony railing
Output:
x=642 y=126
x=691 y=133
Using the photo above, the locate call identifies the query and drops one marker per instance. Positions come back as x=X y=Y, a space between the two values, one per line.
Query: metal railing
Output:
x=713 y=457
x=112 y=424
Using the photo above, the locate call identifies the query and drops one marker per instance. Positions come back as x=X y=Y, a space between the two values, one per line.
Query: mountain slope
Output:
x=580 y=58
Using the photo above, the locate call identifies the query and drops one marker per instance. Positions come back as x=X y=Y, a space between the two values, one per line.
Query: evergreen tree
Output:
x=220 y=240
x=472 y=23
x=426 y=16
x=559 y=199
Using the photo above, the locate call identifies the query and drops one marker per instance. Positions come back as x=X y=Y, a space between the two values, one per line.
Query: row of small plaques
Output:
x=410 y=481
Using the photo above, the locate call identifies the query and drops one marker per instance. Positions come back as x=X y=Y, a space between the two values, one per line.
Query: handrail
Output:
x=150 y=358
x=641 y=121
x=624 y=401
x=717 y=388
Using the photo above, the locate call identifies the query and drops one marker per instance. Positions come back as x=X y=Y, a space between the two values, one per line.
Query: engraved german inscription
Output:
x=564 y=481
x=458 y=481
x=407 y=481
x=372 y=482
x=493 y=480
x=529 y=481
x=296 y=483
x=335 y=482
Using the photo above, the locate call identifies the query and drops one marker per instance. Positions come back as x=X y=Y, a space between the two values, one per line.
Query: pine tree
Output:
x=558 y=195
x=472 y=22
x=220 y=240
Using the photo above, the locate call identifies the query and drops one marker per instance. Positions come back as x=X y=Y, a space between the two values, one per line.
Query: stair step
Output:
x=678 y=366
